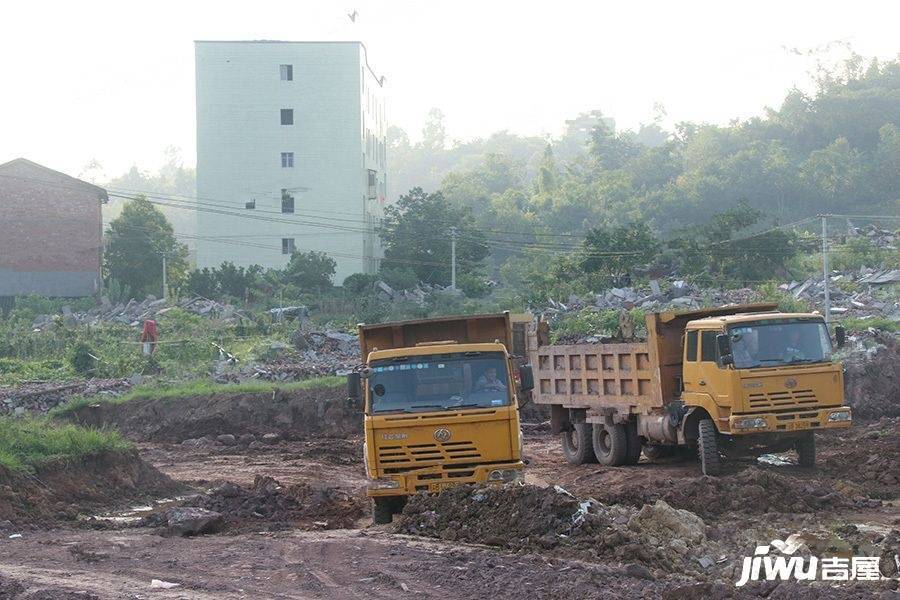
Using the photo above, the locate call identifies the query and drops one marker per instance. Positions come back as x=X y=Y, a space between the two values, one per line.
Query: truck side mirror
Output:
x=526 y=378
x=354 y=388
x=840 y=335
x=723 y=347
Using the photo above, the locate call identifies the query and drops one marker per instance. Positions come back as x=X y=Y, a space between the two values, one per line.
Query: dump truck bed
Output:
x=473 y=329
x=621 y=376
x=633 y=377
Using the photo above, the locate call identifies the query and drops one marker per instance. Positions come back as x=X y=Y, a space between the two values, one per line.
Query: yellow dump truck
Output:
x=441 y=403
x=738 y=379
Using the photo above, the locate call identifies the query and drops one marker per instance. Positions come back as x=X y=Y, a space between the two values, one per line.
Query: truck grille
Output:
x=396 y=459
x=785 y=399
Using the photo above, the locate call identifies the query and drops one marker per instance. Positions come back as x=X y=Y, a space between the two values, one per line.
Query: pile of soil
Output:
x=293 y=415
x=13 y=589
x=752 y=491
x=872 y=379
x=529 y=518
x=64 y=490
x=269 y=504
x=866 y=456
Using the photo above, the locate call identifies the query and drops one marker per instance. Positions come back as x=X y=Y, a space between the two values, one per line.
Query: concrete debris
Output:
x=662 y=521
x=134 y=313
x=159 y=584
x=41 y=396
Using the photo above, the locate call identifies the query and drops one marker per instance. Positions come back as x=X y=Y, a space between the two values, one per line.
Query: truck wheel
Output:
x=806 y=450
x=383 y=510
x=610 y=444
x=576 y=444
x=708 y=448
x=634 y=443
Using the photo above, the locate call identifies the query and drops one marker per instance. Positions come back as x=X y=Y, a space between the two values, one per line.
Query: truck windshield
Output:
x=778 y=342
x=439 y=382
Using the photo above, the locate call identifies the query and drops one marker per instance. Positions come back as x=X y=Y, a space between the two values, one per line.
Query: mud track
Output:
x=282 y=499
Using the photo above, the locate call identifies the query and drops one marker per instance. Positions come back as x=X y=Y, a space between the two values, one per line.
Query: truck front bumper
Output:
x=837 y=417
x=437 y=478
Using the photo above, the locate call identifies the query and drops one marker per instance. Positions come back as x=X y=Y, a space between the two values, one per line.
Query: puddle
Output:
x=134 y=513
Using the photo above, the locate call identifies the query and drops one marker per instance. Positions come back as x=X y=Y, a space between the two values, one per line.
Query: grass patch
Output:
x=28 y=443
x=198 y=388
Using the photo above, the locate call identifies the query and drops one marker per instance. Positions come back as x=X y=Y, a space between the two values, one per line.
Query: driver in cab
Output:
x=488 y=381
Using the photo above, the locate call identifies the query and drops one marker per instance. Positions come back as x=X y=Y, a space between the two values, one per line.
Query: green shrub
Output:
x=360 y=283
x=83 y=361
x=473 y=286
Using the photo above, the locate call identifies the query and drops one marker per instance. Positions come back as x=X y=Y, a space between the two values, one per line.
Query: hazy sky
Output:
x=114 y=81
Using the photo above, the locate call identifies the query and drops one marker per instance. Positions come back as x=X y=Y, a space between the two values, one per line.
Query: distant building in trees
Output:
x=51 y=231
x=290 y=153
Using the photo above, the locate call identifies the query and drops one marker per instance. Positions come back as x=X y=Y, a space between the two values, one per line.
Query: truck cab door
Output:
x=713 y=379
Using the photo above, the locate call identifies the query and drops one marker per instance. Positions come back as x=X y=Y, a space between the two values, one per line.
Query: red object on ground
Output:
x=149 y=334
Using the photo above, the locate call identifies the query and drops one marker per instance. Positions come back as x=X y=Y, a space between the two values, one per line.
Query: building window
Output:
x=287 y=116
x=250 y=205
x=373 y=182
x=287 y=245
x=287 y=202
x=287 y=72
x=287 y=159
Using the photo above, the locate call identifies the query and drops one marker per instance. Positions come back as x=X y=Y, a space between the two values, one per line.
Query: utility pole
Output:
x=825 y=269
x=165 y=294
x=454 y=234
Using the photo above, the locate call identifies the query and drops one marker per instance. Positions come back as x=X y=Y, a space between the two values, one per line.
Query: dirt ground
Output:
x=296 y=521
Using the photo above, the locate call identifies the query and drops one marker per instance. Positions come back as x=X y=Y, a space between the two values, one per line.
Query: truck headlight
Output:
x=384 y=484
x=839 y=415
x=755 y=423
x=505 y=475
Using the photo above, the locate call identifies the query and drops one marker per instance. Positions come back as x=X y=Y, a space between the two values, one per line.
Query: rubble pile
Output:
x=134 y=313
x=41 y=396
x=864 y=459
x=310 y=354
x=527 y=518
x=872 y=374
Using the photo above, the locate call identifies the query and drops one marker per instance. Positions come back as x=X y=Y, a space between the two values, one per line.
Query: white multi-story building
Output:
x=290 y=153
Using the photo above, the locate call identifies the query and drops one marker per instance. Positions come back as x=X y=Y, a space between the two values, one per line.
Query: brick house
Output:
x=51 y=231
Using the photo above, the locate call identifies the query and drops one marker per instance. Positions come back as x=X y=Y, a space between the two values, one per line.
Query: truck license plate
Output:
x=437 y=487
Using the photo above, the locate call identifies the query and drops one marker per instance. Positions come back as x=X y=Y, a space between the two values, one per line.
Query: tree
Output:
x=138 y=238
x=416 y=232
x=618 y=251
x=434 y=134
x=310 y=270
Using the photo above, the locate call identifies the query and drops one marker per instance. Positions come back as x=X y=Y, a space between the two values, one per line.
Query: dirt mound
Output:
x=12 y=589
x=269 y=504
x=65 y=491
x=528 y=518
x=293 y=415
x=865 y=456
x=872 y=379
x=752 y=491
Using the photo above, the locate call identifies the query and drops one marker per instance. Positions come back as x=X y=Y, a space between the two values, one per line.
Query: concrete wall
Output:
x=240 y=139
x=50 y=232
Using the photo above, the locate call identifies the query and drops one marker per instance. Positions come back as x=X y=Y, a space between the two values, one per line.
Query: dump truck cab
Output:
x=441 y=400
x=763 y=372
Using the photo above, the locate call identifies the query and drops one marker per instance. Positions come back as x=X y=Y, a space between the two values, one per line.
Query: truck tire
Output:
x=610 y=444
x=384 y=509
x=708 y=448
x=806 y=451
x=576 y=444
x=634 y=443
